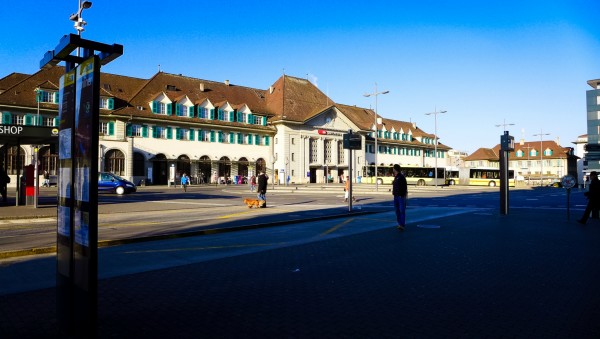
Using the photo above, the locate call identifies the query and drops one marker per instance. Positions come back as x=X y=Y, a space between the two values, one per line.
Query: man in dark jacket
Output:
x=400 y=193
x=262 y=188
x=593 y=196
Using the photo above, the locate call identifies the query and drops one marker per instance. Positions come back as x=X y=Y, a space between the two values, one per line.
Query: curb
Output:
x=117 y=242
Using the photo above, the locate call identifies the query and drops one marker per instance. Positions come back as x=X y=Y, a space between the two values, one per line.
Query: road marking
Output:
x=180 y=202
x=206 y=248
x=336 y=227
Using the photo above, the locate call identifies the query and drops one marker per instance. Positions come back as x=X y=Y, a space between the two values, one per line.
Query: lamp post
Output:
x=435 y=140
x=541 y=134
x=376 y=94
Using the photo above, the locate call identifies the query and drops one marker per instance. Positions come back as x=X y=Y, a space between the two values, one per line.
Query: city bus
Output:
x=420 y=176
x=484 y=177
x=452 y=177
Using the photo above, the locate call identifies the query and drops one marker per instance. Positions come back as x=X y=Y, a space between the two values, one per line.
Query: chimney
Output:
x=201 y=87
x=226 y=82
x=271 y=89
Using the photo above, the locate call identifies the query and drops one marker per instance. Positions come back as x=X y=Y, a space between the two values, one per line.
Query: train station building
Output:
x=214 y=130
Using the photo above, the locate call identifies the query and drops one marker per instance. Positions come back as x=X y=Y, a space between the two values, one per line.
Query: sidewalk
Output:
x=479 y=274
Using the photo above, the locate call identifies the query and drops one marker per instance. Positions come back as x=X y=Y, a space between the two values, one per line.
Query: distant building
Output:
x=592 y=148
x=531 y=160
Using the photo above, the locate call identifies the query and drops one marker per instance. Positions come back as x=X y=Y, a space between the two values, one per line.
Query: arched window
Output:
x=114 y=162
x=12 y=161
x=183 y=165
x=261 y=165
x=48 y=160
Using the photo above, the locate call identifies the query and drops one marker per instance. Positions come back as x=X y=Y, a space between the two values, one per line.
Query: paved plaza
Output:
x=476 y=274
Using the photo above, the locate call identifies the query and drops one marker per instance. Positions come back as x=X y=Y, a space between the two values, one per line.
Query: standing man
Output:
x=593 y=195
x=262 y=188
x=4 y=180
x=400 y=192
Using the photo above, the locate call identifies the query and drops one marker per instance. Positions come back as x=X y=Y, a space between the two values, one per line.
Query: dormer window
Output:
x=161 y=108
x=184 y=111
x=519 y=154
x=548 y=152
x=107 y=103
x=533 y=153
x=47 y=96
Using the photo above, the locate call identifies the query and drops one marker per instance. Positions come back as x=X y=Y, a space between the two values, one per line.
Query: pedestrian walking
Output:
x=46 y=179
x=593 y=195
x=185 y=181
x=347 y=190
x=400 y=193
x=4 y=180
x=252 y=183
x=262 y=188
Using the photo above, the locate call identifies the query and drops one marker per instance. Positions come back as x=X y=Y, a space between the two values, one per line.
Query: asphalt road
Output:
x=154 y=211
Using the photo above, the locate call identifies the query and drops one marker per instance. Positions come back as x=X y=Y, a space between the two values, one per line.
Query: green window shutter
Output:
x=111 y=128
x=231 y=116
x=177 y=133
x=267 y=140
x=264 y=121
x=212 y=136
x=169 y=133
x=257 y=139
x=212 y=114
x=192 y=136
x=191 y=111
x=144 y=131
x=221 y=115
x=240 y=138
x=169 y=109
x=154 y=132
x=129 y=130
x=111 y=103
x=56 y=97
x=250 y=119
x=154 y=107
x=6 y=118
x=56 y=121
x=28 y=120
x=178 y=109
x=249 y=139
x=239 y=116
x=231 y=138
x=38 y=95
x=200 y=135
x=220 y=139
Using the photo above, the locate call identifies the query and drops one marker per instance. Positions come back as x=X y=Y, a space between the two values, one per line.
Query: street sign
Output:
x=568 y=181
x=352 y=141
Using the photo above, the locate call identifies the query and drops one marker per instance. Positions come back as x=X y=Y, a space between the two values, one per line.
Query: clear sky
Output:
x=484 y=62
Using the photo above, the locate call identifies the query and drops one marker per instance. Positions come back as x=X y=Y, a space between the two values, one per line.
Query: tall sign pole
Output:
x=351 y=142
x=77 y=209
x=507 y=144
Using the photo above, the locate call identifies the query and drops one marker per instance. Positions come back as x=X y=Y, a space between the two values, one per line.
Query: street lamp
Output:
x=76 y=17
x=435 y=140
x=504 y=124
x=368 y=95
x=541 y=134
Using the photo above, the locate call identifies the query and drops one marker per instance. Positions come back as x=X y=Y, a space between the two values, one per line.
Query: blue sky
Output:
x=485 y=62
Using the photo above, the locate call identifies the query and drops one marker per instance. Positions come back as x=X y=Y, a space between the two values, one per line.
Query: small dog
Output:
x=254 y=203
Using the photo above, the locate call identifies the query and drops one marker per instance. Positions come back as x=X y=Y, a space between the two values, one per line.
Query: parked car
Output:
x=108 y=182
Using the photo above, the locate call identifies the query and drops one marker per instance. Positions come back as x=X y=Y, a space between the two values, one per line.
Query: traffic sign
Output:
x=568 y=181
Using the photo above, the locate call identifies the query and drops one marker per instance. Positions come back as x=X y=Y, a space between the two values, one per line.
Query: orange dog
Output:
x=253 y=203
